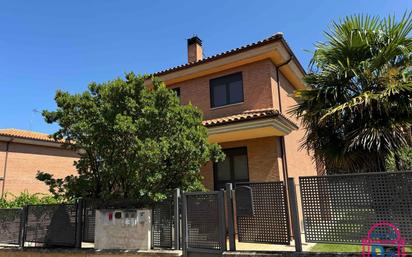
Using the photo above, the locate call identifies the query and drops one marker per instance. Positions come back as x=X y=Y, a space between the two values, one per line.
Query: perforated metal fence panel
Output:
x=89 y=221
x=162 y=225
x=10 y=226
x=269 y=223
x=204 y=226
x=342 y=208
x=202 y=221
x=51 y=225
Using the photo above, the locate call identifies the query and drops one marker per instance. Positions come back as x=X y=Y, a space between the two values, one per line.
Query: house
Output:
x=245 y=94
x=23 y=153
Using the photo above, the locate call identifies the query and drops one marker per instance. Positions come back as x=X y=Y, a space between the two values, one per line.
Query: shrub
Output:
x=25 y=198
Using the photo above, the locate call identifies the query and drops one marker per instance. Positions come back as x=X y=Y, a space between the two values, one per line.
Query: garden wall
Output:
x=42 y=252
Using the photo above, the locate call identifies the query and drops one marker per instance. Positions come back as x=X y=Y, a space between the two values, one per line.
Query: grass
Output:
x=342 y=248
x=336 y=248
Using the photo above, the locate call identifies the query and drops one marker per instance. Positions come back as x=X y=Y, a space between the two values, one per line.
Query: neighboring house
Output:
x=23 y=153
x=245 y=95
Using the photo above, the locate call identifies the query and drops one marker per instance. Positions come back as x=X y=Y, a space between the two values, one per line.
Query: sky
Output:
x=47 y=45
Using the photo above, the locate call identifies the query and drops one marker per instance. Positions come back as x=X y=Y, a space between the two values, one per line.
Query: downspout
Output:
x=282 y=144
x=5 y=167
x=282 y=139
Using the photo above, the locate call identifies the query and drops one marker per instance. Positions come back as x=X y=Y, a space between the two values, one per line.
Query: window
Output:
x=226 y=90
x=233 y=169
x=177 y=90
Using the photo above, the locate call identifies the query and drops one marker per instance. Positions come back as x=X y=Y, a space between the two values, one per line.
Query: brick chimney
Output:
x=194 y=49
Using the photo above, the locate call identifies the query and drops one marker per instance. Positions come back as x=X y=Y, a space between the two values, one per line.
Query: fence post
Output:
x=176 y=214
x=230 y=216
x=23 y=221
x=294 y=214
x=222 y=219
x=184 y=225
x=79 y=223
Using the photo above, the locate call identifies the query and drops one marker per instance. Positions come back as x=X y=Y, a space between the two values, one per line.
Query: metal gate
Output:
x=89 y=221
x=204 y=225
x=51 y=225
x=10 y=226
x=162 y=224
x=265 y=219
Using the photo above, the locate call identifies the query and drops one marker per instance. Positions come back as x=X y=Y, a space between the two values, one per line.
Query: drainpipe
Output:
x=282 y=145
x=5 y=166
x=282 y=139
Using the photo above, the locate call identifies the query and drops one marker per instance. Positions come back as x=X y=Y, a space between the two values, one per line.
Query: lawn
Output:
x=341 y=248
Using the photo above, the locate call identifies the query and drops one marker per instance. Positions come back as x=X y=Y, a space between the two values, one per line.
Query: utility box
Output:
x=123 y=229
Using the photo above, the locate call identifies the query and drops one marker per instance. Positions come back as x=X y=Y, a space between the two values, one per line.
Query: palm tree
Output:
x=358 y=106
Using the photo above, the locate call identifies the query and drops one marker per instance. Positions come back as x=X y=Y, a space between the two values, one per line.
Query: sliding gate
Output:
x=204 y=225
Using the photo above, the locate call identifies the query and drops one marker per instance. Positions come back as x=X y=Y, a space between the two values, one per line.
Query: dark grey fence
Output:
x=342 y=208
x=162 y=224
x=89 y=221
x=204 y=226
x=51 y=225
x=10 y=226
x=268 y=220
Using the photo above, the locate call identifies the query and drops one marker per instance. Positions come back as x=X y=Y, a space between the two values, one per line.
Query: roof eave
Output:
x=30 y=141
x=249 y=129
x=287 y=123
x=275 y=48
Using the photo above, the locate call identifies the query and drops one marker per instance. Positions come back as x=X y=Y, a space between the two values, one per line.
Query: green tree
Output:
x=359 y=101
x=134 y=142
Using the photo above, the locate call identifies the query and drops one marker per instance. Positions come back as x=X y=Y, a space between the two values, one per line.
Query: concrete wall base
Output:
x=292 y=254
x=38 y=252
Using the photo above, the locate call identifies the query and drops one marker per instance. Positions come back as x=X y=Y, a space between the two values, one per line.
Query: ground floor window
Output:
x=233 y=169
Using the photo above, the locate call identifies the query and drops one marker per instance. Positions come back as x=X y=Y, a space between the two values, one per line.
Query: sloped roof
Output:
x=271 y=39
x=26 y=134
x=248 y=115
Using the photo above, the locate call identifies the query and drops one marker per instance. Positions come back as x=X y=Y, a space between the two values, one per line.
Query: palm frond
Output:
x=361 y=91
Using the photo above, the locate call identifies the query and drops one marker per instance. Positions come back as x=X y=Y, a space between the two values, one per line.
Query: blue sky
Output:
x=50 y=45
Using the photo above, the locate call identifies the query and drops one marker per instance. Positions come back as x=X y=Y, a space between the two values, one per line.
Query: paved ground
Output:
x=270 y=247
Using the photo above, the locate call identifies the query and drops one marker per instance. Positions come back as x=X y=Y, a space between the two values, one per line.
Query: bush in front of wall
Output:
x=25 y=198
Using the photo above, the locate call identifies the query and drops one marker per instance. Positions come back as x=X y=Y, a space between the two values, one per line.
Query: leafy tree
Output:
x=134 y=142
x=359 y=104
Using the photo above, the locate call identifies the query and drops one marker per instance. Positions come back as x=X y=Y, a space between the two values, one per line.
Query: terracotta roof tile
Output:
x=244 y=116
x=247 y=115
x=11 y=132
x=268 y=40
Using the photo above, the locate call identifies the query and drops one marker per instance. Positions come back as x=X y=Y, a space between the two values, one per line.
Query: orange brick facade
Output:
x=24 y=160
x=256 y=89
x=299 y=161
x=263 y=160
x=260 y=91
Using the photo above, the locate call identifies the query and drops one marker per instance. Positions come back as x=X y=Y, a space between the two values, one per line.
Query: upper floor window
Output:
x=177 y=91
x=226 y=90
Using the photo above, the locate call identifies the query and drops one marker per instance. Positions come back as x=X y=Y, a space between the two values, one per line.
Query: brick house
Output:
x=23 y=153
x=245 y=94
